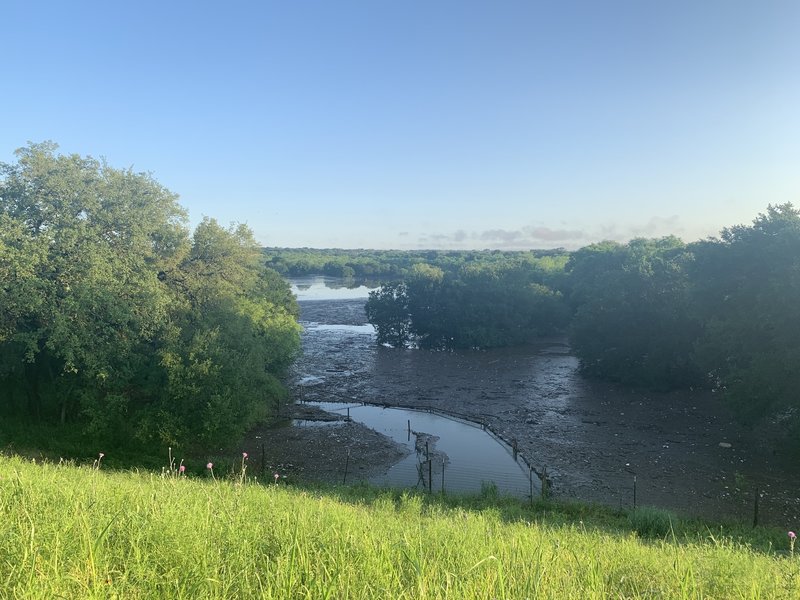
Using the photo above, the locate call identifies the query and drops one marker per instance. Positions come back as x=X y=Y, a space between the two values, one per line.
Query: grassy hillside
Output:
x=85 y=533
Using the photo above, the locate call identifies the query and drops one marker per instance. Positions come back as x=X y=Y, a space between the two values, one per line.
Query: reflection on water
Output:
x=322 y=287
x=344 y=329
x=469 y=456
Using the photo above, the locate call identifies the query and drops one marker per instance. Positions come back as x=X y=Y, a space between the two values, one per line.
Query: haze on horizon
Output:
x=424 y=125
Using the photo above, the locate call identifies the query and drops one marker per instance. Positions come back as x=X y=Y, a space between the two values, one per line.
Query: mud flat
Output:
x=685 y=449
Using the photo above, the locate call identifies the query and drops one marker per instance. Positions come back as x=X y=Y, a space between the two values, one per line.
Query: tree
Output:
x=235 y=335
x=478 y=306
x=114 y=318
x=387 y=311
x=746 y=290
x=84 y=244
x=632 y=320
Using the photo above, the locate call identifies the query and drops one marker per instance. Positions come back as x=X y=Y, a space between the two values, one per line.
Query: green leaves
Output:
x=112 y=315
x=478 y=306
x=747 y=286
x=387 y=310
x=632 y=320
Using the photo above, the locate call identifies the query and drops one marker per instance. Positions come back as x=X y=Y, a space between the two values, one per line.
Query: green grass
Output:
x=69 y=532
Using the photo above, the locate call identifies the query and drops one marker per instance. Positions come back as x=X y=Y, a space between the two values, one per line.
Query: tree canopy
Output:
x=478 y=305
x=113 y=315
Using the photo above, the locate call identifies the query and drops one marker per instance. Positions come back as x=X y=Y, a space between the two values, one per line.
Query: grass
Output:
x=79 y=532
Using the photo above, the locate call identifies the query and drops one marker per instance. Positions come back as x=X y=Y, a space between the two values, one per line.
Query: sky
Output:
x=423 y=124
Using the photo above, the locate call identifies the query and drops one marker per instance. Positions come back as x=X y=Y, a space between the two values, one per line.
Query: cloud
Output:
x=541 y=236
x=654 y=227
x=532 y=236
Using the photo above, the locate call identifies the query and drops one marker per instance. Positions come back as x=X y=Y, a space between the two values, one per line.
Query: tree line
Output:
x=383 y=265
x=116 y=317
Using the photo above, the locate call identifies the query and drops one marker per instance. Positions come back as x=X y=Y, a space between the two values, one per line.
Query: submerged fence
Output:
x=435 y=474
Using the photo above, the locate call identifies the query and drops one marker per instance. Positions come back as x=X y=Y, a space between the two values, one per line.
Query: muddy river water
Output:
x=684 y=449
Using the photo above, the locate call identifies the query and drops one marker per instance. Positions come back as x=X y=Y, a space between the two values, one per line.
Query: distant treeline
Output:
x=386 y=265
x=114 y=317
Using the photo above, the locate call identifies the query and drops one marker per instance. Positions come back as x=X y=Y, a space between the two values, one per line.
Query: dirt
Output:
x=324 y=448
x=684 y=449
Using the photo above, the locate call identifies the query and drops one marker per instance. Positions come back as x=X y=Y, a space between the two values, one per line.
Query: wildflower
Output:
x=210 y=466
x=276 y=476
x=244 y=454
x=792 y=540
x=102 y=455
x=182 y=468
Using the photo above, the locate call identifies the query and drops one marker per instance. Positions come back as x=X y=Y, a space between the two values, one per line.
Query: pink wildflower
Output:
x=792 y=535
x=210 y=466
x=276 y=476
x=102 y=455
x=182 y=468
x=244 y=454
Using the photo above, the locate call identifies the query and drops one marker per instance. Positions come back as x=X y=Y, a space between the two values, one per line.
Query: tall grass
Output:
x=68 y=532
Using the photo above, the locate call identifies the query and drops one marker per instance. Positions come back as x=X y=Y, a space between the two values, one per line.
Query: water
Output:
x=341 y=360
x=471 y=457
x=322 y=287
x=351 y=329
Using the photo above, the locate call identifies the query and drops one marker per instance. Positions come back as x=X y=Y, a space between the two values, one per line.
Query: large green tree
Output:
x=632 y=317
x=747 y=294
x=105 y=299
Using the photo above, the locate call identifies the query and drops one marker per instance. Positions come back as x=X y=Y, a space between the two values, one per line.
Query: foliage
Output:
x=113 y=316
x=83 y=533
x=392 y=265
x=632 y=321
x=722 y=312
x=746 y=291
x=387 y=309
x=479 y=306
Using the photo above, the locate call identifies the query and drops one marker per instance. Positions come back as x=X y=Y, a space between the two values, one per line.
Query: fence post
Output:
x=263 y=460
x=530 y=477
x=755 y=510
x=544 y=482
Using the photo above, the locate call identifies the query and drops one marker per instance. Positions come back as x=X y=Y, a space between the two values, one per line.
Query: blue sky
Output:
x=424 y=124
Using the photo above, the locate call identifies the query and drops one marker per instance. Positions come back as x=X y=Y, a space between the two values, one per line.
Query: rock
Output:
x=724 y=445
